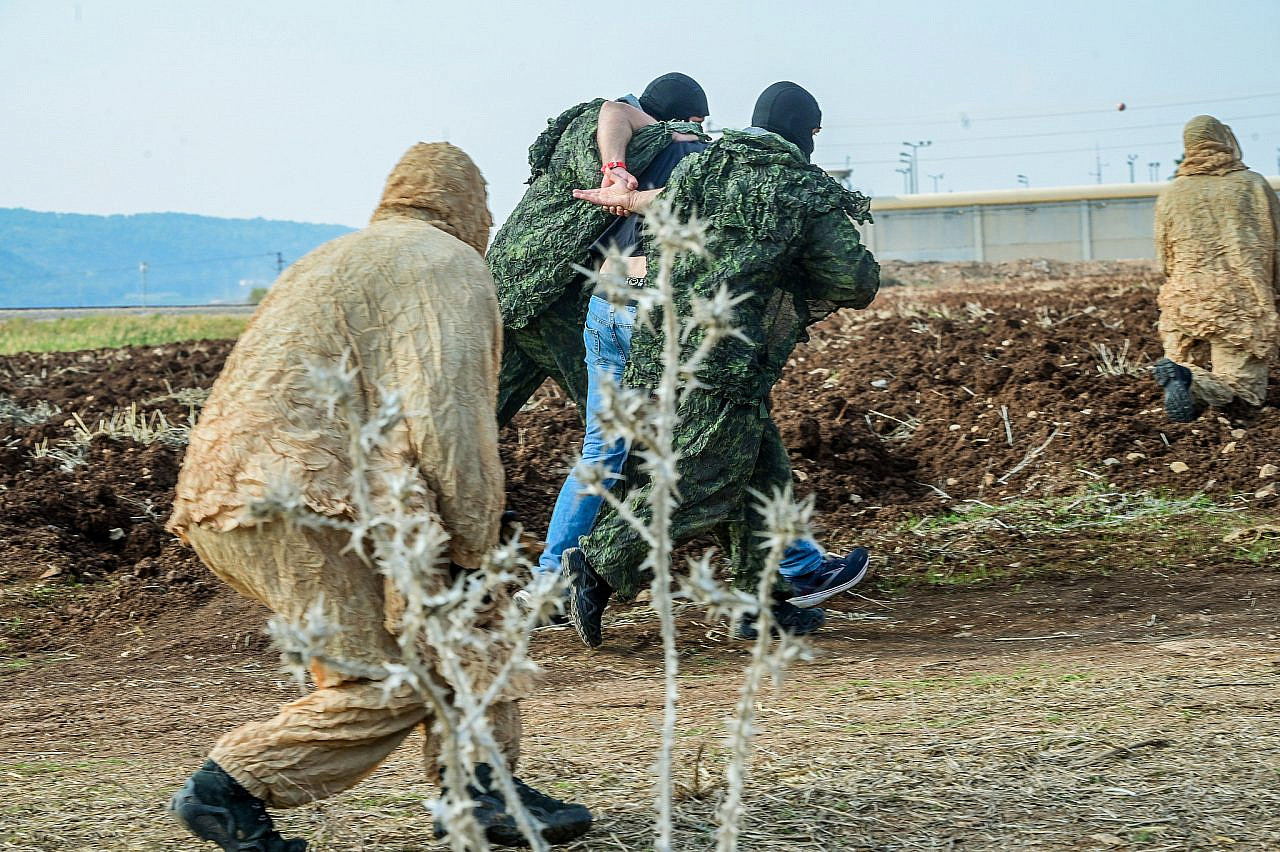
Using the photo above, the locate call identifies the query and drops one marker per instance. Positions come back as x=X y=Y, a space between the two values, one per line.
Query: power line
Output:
x=1026 y=153
x=962 y=117
x=1052 y=132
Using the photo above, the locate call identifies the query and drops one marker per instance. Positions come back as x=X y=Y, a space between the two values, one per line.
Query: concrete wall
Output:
x=1107 y=222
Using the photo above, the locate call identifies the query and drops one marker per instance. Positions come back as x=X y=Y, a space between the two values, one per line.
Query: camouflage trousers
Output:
x=726 y=450
x=550 y=344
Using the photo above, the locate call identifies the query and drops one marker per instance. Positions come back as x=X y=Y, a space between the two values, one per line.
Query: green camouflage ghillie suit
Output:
x=783 y=231
x=543 y=299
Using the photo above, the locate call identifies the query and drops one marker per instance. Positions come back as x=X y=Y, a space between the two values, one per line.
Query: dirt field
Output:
x=1071 y=642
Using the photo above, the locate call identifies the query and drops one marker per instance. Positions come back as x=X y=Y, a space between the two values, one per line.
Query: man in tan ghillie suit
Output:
x=1218 y=239
x=406 y=305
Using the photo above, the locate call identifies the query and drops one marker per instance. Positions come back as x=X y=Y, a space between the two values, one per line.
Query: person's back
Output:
x=1217 y=235
x=535 y=252
x=410 y=308
x=1219 y=250
x=405 y=307
x=782 y=234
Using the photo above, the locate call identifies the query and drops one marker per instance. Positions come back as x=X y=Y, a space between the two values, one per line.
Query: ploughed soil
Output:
x=919 y=427
x=972 y=392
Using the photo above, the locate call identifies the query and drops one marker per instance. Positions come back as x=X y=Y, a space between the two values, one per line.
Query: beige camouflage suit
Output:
x=1218 y=240
x=410 y=305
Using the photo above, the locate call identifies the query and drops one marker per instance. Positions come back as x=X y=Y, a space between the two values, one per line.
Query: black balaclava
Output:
x=791 y=112
x=674 y=97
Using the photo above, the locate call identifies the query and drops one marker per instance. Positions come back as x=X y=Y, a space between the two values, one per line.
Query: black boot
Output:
x=561 y=821
x=793 y=619
x=1176 y=381
x=213 y=806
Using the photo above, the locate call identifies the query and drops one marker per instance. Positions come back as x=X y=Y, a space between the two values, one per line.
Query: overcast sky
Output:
x=297 y=109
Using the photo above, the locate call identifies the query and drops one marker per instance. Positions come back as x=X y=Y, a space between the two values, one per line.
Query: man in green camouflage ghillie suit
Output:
x=543 y=299
x=782 y=231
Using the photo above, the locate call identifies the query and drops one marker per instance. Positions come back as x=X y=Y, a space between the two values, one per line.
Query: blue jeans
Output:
x=607 y=336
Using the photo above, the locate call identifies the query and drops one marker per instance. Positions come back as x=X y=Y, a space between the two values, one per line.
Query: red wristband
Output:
x=608 y=167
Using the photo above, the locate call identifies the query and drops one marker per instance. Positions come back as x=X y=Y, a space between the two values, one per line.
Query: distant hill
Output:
x=70 y=259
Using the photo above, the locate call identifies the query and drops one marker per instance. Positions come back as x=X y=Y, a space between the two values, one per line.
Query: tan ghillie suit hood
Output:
x=439 y=184
x=407 y=303
x=1218 y=238
x=1209 y=148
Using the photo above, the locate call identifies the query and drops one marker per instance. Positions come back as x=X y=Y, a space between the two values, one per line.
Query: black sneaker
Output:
x=1176 y=381
x=561 y=821
x=793 y=619
x=588 y=596
x=835 y=575
x=213 y=806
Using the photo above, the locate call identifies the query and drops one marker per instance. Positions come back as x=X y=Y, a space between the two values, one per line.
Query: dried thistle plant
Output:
x=647 y=423
x=448 y=623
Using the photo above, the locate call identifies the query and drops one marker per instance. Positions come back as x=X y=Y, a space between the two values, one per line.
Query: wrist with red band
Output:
x=608 y=167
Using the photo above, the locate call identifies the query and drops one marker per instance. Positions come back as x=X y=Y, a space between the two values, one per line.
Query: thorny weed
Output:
x=447 y=624
x=646 y=423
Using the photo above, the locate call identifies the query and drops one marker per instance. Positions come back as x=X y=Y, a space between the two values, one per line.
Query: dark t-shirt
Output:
x=625 y=232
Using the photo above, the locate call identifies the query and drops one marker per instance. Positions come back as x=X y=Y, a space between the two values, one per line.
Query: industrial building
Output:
x=1097 y=222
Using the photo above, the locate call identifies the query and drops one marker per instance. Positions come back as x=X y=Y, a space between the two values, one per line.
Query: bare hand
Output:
x=684 y=137
x=613 y=198
x=618 y=177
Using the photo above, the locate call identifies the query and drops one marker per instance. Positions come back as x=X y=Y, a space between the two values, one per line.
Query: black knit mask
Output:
x=674 y=97
x=791 y=112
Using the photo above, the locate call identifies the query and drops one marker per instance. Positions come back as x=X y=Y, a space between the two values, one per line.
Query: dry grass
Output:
x=11 y=412
x=920 y=726
x=1119 y=361
x=1173 y=745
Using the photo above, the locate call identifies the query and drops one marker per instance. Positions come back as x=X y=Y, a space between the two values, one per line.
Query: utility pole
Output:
x=1154 y=170
x=906 y=179
x=935 y=178
x=1132 y=158
x=279 y=264
x=912 y=161
x=1024 y=181
x=1097 y=158
x=142 y=273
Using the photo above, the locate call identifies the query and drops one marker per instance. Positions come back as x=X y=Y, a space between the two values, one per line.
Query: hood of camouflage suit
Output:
x=439 y=184
x=1209 y=148
x=758 y=147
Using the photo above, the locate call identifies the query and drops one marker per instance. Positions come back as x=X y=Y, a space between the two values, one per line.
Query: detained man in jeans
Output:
x=813 y=576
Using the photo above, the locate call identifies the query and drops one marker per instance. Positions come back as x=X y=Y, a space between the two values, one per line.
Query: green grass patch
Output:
x=108 y=331
x=1260 y=552
x=1094 y=507
x=1094 y=532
